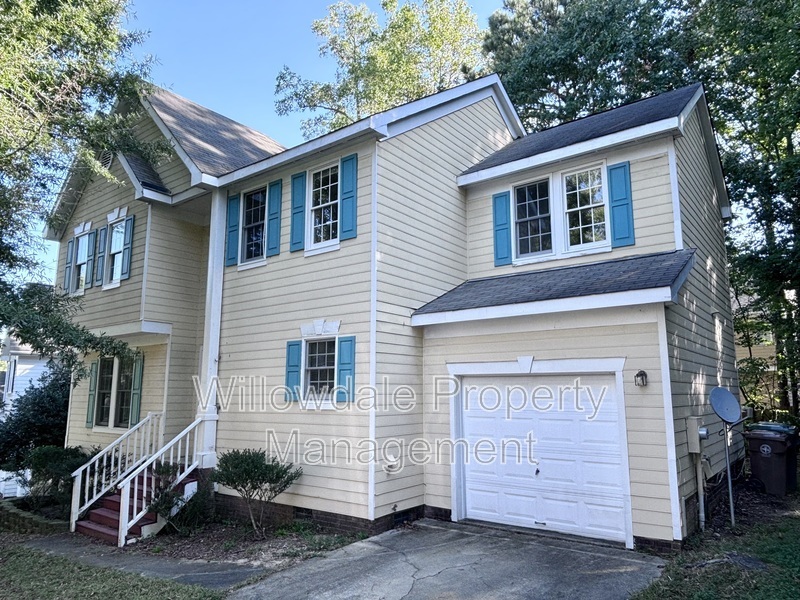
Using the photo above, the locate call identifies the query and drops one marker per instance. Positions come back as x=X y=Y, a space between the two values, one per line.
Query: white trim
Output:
x=107 y=265
x=527 y=365
x=322 y=248
x=188 y=194
x=320 y=328
x=135 y=328
x=636 y=134
x=148 y=194
x=126 y=166
x=373 y=328
x=568 y=250
x=117 y=214
x=617 y=299
x=687 y=110
x=82 y=228
x=676 y=197
x=212 y=325
x=378 y=125
x=251 y=264
x=165 y=403
x=669 y=427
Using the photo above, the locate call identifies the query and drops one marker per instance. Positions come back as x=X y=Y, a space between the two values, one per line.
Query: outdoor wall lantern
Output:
x=640 y=379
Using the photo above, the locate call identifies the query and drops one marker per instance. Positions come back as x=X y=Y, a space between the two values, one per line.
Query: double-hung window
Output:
x=320 y=375
x=585 y=208
x=253 y=230
x=533 y=218
x=116 y=241
x=79 y=272
x=324 y=206
x=114 y=392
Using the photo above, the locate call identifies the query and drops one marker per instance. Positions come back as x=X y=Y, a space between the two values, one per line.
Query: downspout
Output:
x=701 y=490
x=209 y=362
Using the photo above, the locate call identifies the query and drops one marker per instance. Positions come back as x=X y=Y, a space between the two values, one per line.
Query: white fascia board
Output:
x=135 y=328
x=196 y=175
x=48 y=233
x=155 y=196
x=687 y=110
x=710 y=142
x=345 y=134
x=189 y=194
x=665 y=126
x=617 y=299
x=434 y=106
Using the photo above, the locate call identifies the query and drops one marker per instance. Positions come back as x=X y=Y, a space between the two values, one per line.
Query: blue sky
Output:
x=226 y=55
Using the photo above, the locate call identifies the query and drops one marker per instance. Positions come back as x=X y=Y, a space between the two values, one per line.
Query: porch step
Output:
x=110 y=518
x=98 y=531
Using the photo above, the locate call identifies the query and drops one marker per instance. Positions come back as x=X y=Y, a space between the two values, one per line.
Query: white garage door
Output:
x=542 y=455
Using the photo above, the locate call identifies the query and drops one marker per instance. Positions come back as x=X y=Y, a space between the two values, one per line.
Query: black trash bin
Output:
x=773 y=456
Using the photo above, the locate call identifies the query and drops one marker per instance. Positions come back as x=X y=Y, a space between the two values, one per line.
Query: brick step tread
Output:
x=113 y=503
x=110 y=518
x=95 y=530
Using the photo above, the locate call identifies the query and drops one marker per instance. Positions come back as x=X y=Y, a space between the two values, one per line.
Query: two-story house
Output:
x=428 y=310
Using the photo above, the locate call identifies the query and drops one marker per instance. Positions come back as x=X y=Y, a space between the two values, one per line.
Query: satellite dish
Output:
x=726 y=405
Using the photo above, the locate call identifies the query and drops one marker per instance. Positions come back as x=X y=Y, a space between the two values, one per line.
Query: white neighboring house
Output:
x=23 y=368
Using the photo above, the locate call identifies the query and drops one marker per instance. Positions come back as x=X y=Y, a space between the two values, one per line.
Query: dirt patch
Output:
x=237 y=543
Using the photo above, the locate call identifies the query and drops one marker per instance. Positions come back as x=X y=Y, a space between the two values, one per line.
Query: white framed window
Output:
x=79 y=271
x=253 y=225
x=323 y=208
x=114 y=392
x=585 y=208
x=319 y=369
x=533 y=219
x=116 y=242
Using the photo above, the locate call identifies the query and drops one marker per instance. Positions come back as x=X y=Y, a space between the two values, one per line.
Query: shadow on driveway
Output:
x=433 y=559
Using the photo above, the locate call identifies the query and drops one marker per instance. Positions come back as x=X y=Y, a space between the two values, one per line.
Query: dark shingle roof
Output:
x=620 y=275
x=215 y=143
x=146 y=174
x=643 y=112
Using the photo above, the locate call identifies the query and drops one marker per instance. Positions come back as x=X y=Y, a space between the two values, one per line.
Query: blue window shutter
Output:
x=136 y=389
x=346 y=368
x=501 y=207
x=620 y=205
x=348 y=203
x=294 y=362
x=127 y=249
x=92 y=393
x=298 y=226
x=274 y=218
x=68 y=265
x=232 y=237
x=100 y=261
x=91 y=241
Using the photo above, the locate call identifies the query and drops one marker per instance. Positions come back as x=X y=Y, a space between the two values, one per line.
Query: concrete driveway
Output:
x=433 y=559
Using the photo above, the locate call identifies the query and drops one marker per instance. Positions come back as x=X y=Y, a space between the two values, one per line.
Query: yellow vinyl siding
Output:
x=701 y=350
x=422 y=254
x=628 y=333
x=153 y=377
x=175 y=294
x=652 y=213
x=264 y=307
x=102 y=308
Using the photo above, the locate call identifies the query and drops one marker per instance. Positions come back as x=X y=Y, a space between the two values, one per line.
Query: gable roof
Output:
x=144 y=172
x=214 y=143
x=636 y=114
x=664 y=270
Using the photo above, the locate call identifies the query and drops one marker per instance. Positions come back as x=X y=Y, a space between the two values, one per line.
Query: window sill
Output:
x=251 y=264
x=521 y=262
x=111 y=286
x=318 y=404
x=112 y=430
x=77 y=293
x=322 y=249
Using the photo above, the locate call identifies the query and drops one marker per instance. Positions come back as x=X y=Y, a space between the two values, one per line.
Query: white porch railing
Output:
x=137 y=488
x=102 y=474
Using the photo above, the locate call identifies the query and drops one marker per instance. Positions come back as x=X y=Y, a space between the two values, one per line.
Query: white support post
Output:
x=209 y=363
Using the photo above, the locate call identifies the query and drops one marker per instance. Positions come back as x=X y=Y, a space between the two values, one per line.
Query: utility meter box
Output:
x=695 y=432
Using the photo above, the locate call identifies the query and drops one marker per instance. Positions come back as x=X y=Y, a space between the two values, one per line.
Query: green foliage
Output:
x=563 y=60
x=64 y=67
x=38 y=418
x=422 y=49
x=51 y=469
x=256 y=478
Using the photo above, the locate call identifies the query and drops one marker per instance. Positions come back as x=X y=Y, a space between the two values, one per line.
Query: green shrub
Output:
x=38 y=418
x=51 y=469
x=256 y=478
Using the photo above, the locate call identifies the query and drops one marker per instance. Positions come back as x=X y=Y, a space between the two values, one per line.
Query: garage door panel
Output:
x=579 y=484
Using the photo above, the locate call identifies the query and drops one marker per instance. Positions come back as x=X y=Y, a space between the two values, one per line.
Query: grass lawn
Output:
x=704 y=573
x=27 y=574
